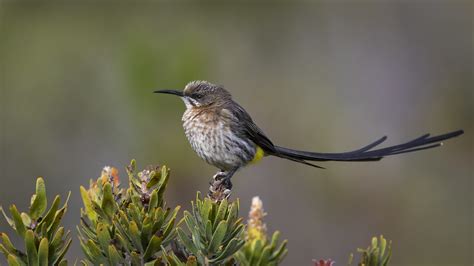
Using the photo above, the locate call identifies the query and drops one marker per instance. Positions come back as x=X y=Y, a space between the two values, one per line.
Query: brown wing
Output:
x=248 y=129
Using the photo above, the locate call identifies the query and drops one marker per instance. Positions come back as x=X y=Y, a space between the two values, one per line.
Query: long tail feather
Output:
x=366 y=153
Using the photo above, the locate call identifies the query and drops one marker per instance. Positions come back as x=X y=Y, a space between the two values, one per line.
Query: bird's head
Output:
x=200 y=93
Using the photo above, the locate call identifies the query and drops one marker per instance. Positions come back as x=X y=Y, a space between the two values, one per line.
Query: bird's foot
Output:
x=220 y=175
x=220 y=188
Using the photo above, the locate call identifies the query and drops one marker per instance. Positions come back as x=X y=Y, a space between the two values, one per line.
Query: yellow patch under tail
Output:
x=258 y=155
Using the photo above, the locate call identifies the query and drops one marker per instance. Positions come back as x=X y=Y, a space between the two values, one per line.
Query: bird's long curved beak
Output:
x=173 y=92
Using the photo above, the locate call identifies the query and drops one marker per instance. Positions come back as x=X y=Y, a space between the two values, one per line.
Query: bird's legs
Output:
x=221 y=185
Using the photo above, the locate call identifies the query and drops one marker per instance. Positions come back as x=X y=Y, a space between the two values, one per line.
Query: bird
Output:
x=224 y=135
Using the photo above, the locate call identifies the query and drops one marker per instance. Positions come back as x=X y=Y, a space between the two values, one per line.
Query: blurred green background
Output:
x=76 y=83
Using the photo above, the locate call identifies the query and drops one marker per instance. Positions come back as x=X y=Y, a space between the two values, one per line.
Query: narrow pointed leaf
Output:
x=274 y=241
x=31 y=250
x=88 y=205
x=153 y=247
x=232 y=247
x=56 y=222
x=19 y=226
x=58 y=237
x=135 y=235
x=153 y=201
x=135 y=259
x=8 y=245
x=48 y=218
x=221 y=212
x=39 y=204
x=281 y=252
x=26 y=219
x=108 y=202
x=97 y=256
x=146 y=233
x=187 y=242
x=9 y=220
x=103 y=236
x=4 y=250
x=218 y=236
x=264 y=256
x=13 y=260
x=43 y=252
x=209 y=230
x=114 y=256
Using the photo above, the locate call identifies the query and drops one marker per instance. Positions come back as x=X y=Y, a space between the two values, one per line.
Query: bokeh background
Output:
x=76 y=83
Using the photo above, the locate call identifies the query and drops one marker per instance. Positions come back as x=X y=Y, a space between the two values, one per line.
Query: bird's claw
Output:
x=220 y=187
x=219 y=176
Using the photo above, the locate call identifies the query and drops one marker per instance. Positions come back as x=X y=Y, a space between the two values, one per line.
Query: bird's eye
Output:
x=197 y=96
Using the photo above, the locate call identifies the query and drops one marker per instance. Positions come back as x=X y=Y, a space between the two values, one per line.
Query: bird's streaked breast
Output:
x=214 y=139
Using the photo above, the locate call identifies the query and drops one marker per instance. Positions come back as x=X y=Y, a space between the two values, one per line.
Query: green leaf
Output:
x=135 y=259
x=85 y=249
x=8 y=245
x=100 y=212
x=382 y=247
x=9 y=220
x=232 y=247
x=205 y=210
x=256 y=247
x=153 y=263
x=31 y=251
x=114 y=256
x=154 y=178
x=4 y=250
x=146 y=233
x=218 y=236
x=264 y=256
x=58 y=237
x=163 y=181
x=96 y=254
x=186 y=241
x=374 y=242
x=56 y=221
x=221 y=212
x=281 y=252
x=135 y=235
x=13 y=260
x=198 y=242
x=153 y=201
x=388 y=254
x=56 y=244
x=170 y=225
x=48 y=218
x=39 y=204
x=209 y=229
x=133 y=212
x=26 y=219
x=232 y=213
x=91 y=214
x=125 y=244
x=158 y=219
x=43 y=252
x=153 y=246
x=274 y=241
x=189 y=220
x=19 y=226
x=132 y=166
x=108 y=202
x=103 y=236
